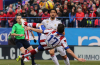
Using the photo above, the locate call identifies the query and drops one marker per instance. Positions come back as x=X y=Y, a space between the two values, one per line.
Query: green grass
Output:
x=48 y=62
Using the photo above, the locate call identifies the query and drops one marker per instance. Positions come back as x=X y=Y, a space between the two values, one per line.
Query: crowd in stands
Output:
x=73 y=13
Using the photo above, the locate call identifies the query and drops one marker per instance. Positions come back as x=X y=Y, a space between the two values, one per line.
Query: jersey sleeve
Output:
x=13 y=29
x=64 y=44
x=47 y=31
x=30 y=24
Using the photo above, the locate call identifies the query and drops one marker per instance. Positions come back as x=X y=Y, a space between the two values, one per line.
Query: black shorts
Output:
x=22 y=43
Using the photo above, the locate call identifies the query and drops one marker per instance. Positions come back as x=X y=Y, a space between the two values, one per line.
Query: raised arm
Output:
x=34 y=29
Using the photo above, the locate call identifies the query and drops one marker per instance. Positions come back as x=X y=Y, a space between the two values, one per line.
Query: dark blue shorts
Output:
x=22 y=43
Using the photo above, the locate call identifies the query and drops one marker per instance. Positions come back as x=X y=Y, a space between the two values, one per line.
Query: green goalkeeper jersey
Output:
x=18 y=29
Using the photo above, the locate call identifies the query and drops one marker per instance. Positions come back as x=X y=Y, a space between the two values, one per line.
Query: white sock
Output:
x=55 y=60
x=67 y=61
x=28 y=54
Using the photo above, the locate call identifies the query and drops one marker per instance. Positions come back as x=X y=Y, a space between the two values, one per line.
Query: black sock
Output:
x=22 y=62
x=32 y=58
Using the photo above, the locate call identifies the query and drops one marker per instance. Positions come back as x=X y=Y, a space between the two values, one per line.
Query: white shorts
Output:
x=61 y=50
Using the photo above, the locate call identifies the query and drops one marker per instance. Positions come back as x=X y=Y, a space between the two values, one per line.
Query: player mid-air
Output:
x=52 y=23
x=50 y=39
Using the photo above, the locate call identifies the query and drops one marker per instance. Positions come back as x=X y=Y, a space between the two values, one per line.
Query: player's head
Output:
x=60 y=29
x=18 y=19
x=25 y=19
x=53 y=13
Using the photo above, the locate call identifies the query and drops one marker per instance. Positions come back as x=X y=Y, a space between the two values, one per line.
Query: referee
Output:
x=22 y=44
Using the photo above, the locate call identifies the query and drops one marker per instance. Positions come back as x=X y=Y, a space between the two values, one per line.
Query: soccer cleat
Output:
x=18 y=59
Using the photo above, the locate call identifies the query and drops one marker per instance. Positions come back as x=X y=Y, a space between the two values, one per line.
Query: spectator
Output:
x=11 y=20
x=97 y=4
x=33 y=14
x=19 y=8
x=10 y=7
x=90 y=5
x=85 y=3
x=65 y=20
x=76 y=3
x=31 y=8
x=97 y=22
x=57 y=4
x=18 y=12
x=65 y=6
x=26 y=3
x=3 y=20
x=69 y=5
x=40 y=13
x=19 y=4
x=36 y=9
x=93 y=14
x=24 y=14
x=31 y=2
x=72 y=16
x=45 y=14
x=86 y=19
x=35 y=3
x=64 y=2
x=84 y=9
x=58 y=10
x=41 y=3
x=27 y=9
x=79 y=17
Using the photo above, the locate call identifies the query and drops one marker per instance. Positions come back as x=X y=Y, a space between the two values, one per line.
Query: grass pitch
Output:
x=48 y=62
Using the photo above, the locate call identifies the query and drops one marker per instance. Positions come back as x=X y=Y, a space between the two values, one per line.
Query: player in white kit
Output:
x=52 y=23
x=51 y=39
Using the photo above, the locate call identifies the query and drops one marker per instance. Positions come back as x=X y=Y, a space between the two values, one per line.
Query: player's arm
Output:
x=13 y=32
x=32 y=34
x=34 y=29
x=64 y=44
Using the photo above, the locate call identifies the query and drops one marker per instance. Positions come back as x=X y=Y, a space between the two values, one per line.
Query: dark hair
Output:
x=60 y=28
x=25 y=18
x=17 y=16
x=53 y=9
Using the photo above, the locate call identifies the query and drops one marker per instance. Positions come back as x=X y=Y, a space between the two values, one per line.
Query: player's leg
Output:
x=53 y=56
x=32 y=52
x=28 y=47
x=62 y=52
x=22 y=49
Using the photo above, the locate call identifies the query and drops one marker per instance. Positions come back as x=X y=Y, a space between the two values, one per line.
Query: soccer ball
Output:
x=49 y=5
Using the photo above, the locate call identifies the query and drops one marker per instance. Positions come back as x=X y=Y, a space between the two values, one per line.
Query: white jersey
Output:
x=49 y=24
x=52 y=39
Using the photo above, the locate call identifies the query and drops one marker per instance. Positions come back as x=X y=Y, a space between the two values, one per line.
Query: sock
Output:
x=54 y=59
x=26 y=52
x=67 y=61
x=22 y=62
x=32 y=59
x=32 y=52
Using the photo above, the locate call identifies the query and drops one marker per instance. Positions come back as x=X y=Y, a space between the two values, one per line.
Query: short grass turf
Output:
x=48 y=62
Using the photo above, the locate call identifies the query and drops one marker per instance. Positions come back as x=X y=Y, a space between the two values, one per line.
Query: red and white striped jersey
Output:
x=52 y=39
x=28 y=34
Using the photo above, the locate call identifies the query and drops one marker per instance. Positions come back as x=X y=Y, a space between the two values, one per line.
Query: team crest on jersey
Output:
x=55 y=24
x=47 y=21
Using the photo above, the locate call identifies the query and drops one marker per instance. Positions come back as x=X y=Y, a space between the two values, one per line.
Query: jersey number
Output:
x=52 y=37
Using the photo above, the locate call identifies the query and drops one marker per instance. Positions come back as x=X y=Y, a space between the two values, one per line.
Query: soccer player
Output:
x=52 y=23
x=50 y=39
x=19 y=33
x=28 y=35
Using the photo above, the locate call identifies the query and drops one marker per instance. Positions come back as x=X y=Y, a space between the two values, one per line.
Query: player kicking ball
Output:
x=50 y=39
